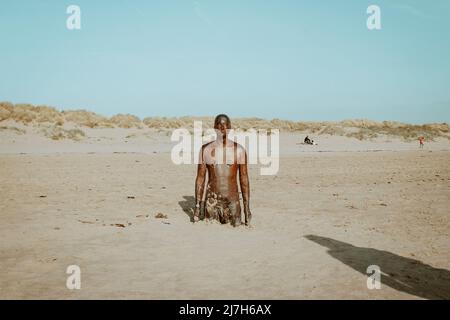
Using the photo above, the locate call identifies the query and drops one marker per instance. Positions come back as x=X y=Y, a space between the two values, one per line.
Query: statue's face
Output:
x=221 y=126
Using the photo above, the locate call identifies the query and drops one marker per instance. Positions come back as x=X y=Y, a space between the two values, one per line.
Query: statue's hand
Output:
x=196 y=214
x=248 y=215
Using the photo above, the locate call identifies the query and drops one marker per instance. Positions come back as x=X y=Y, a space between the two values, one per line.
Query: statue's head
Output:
x=222 y=123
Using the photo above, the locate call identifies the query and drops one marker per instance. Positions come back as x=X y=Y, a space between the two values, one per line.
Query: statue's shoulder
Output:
x=239 y=147
x=208 y=145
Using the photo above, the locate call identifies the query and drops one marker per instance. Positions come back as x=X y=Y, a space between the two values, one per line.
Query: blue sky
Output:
x=299 y=60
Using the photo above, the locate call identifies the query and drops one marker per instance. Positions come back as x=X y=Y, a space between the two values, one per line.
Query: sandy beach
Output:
x=330 y=212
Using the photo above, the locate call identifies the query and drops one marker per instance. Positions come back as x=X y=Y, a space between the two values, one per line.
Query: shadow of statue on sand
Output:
x=188 y=205
x=400 y=273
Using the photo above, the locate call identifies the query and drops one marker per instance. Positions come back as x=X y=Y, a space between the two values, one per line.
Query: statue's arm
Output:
x=245 y=185
x=199 y=184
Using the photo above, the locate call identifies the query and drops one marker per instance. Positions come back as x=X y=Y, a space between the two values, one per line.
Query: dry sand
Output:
x=332 y=210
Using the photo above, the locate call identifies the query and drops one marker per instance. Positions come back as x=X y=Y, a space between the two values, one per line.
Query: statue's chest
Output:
x=223 y=156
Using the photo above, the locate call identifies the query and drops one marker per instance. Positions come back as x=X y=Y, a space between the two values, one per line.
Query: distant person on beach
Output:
x=222 y=160
x=309 y=141
x=421 y=142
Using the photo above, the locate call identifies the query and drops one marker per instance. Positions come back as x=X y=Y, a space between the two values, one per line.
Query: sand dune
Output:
x=30 y=115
